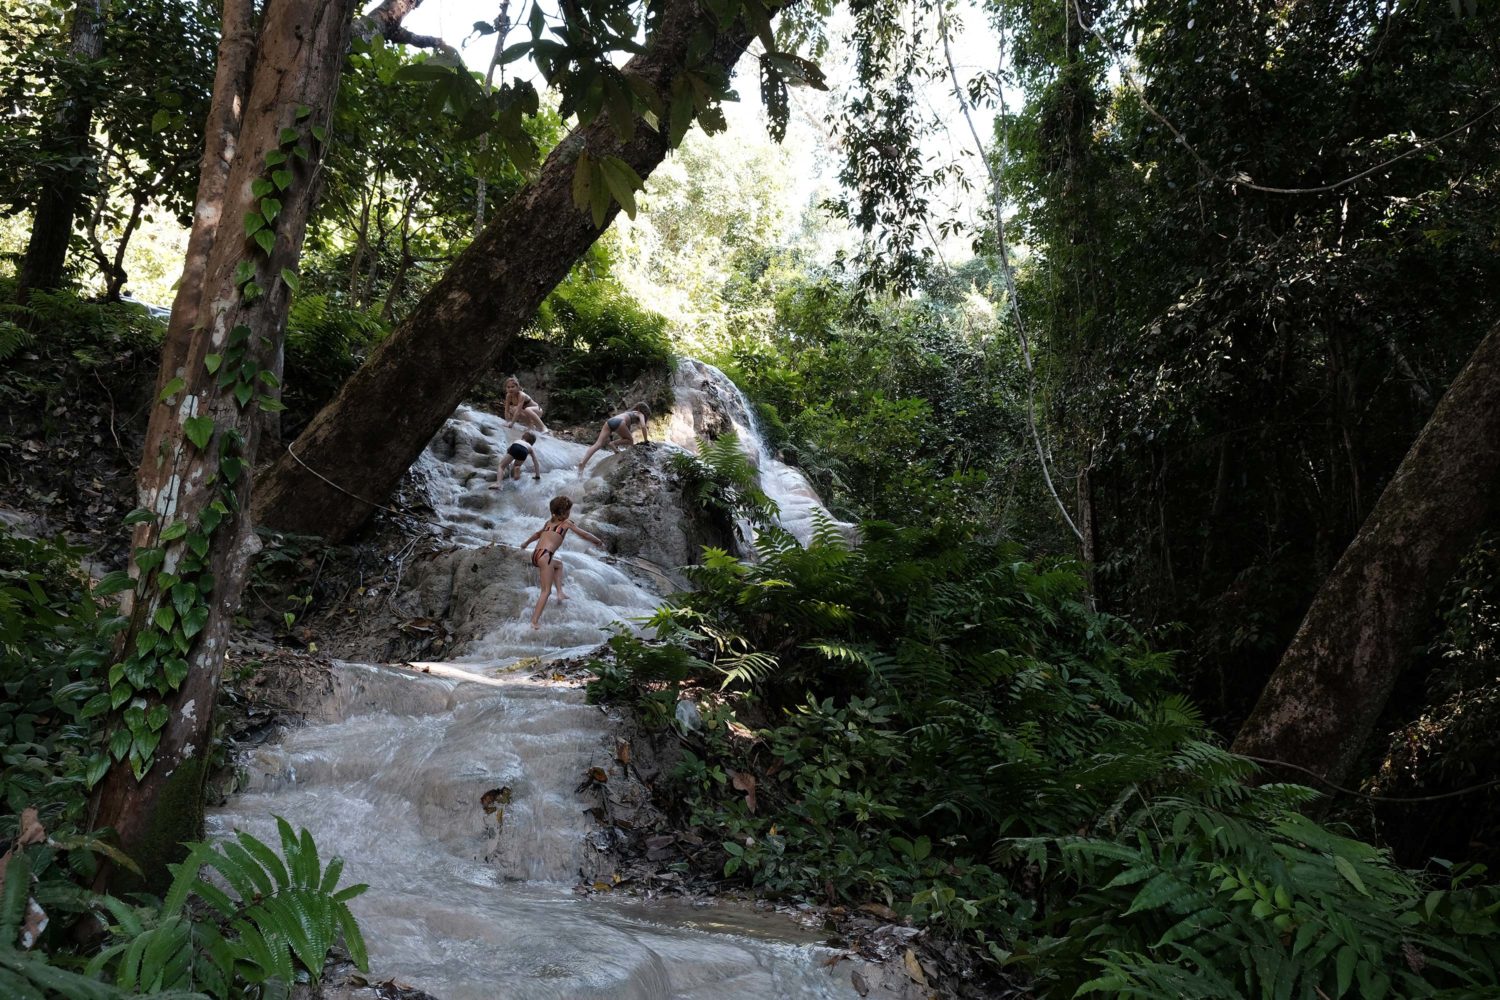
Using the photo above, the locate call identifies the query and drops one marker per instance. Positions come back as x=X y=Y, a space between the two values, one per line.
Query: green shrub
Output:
x=54 y=643
x=614 y=341
x=933 y=721
x=325 y=342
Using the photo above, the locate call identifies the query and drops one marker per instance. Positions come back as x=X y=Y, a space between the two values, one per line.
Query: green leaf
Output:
x=231 y=466
x=254 y=223
x=271 y=404
x=173 y=531
x=319 y=133
x=282 y=179
x=242 y=393
x=303 y=111
x=172 y=388
x=149 y=558
x=140 y=516
x=113 y=583
x=194 y=620
x=164 y=617
x=1347 y=957
x=270 y=208
x=176 y=669
x=275 y=158
x=119 y=743
x=212 y=362
x=290 y=277
x=157 y=717
x=622 y=182
x=259 y=188
x=266 y=239
x=161 y=120
x=199 y=430
x=1346 y=868
x=288 y=136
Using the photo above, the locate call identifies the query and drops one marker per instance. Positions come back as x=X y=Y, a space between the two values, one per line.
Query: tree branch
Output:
x=386 y=20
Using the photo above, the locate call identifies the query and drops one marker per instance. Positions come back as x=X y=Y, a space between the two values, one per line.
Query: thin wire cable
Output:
x=1003 y=248
x=1366 y=795
x=369 y=503
x=1241 y=179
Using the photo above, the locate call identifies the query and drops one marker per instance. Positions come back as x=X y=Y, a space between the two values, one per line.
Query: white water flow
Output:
x=462 y=904
x=702 y=390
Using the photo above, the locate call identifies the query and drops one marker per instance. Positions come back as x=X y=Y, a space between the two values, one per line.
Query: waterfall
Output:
x=393 y=775
x=706 y=398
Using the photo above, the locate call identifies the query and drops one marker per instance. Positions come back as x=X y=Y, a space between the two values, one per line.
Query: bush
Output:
x=933 y=721
x=614 y=341
x=325 y=343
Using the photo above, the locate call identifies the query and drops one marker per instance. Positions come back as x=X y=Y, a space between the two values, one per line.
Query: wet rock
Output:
x=644 y=513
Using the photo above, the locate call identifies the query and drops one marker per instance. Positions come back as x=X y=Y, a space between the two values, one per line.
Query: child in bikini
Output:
x=515 y=456
x=520 y=406
x=620 y=428
x=549 y=538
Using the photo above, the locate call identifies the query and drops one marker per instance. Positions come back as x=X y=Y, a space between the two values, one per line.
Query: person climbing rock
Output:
x=549 y=538
x=520 y=406
x=515 y=456
x=620 y=428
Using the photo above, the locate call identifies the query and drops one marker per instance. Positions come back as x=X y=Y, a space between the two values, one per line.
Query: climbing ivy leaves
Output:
x=173 y=581
x=293 y=143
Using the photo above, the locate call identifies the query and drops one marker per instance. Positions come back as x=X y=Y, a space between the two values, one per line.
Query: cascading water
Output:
x=459 y=904
x=704 y=395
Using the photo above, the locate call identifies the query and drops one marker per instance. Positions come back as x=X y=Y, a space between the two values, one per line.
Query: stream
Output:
x=464 y=907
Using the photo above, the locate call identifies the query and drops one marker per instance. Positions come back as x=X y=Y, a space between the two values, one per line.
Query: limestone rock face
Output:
x=645 y=516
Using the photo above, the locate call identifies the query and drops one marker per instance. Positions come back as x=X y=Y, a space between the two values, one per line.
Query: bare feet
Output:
x=535 y=626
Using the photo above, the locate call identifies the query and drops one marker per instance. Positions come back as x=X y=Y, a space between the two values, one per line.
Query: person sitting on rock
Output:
x=620 y=428
x=549 y=538
x=520 y=406
x=515 y=456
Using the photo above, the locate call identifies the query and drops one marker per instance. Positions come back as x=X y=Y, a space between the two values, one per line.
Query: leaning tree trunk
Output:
x=1322 y=702
x=368 y=436
x=52 y=225
x=220 y=369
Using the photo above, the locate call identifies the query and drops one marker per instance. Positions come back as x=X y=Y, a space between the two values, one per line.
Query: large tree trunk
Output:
x=386 y=413
x=52 y=225
x=273 y=88
x=1321 y=704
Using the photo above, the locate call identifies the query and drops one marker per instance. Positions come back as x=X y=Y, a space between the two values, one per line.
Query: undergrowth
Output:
x=272 y=927
x=933 y=722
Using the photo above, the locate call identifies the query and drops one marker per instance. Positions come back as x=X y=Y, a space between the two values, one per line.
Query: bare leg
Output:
x=604 y=433
x=532 y=417
x=541 y=602
x=515 y=471
x=505 y=462
x=560 y=570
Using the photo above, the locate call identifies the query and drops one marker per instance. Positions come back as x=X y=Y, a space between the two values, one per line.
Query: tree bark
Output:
x=52 y=225
x=382 y=418
x=1322 y=703
x=152 y=795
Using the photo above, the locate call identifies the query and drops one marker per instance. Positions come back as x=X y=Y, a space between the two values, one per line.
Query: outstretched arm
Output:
x=536 y=467
x=588 y=536
x=534 y=537
x=646 y=437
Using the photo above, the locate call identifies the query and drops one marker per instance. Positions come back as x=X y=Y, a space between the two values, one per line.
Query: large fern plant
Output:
x=237 y=921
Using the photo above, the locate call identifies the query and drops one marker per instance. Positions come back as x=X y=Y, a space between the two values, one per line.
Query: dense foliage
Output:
x=931 y=721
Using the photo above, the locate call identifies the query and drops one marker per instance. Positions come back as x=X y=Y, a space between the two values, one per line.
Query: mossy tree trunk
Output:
x=1319 y=707
x=368 y=436
x=274 y=89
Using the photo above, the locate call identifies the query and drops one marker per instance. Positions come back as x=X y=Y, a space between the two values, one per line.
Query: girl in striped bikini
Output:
x=549 y=538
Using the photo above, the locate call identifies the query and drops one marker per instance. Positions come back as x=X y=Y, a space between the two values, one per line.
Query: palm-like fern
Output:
x=274 y=918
